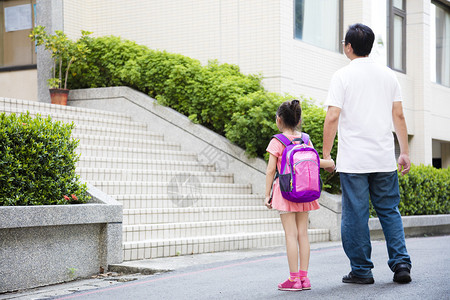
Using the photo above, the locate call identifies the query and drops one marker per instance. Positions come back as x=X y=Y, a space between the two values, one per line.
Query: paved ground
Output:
x=255 y=274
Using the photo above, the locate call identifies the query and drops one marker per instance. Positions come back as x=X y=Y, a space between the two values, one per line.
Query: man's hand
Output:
x=404 y=164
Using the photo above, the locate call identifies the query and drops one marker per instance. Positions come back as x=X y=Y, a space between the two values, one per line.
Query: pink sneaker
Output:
x=306 y=285
x=289 y=285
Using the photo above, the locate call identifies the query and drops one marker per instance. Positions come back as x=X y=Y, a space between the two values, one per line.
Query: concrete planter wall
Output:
x=415 y=226
x=329 y=217
x=42 y=245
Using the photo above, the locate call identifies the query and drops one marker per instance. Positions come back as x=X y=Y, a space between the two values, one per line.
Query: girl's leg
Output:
x=304 y=248
x=291 y=234
x=301 y=219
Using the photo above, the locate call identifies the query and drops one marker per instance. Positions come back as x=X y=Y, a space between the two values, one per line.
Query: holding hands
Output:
x=328 y=165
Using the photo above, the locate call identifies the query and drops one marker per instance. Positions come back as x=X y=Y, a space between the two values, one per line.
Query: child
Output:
x=294 y=216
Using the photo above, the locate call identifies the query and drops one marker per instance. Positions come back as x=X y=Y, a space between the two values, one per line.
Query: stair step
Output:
x=135 y=233
x=185 y=191
x=108 y=141
x=135 y=153
x=130 y=201
x=67 y=117
x=147 y=249
x=153 y=175
x=142 y=164
x=18 y=106
x=193 y=214
x=117 y=132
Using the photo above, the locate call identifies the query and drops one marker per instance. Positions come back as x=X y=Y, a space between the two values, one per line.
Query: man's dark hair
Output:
x=361 y=38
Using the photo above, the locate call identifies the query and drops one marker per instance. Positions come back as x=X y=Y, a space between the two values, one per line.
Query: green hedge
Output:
x=206 y=94
x=424 y=191
x=217 y=96
x=37 y=162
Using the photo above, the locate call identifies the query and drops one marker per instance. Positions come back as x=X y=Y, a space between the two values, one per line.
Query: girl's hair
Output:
x=290 y=112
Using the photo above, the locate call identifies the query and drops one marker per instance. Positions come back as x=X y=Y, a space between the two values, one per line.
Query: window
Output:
x=440 y=43
x=17 y=18
x=318 y=22
x=379 y=25
x=397 y=35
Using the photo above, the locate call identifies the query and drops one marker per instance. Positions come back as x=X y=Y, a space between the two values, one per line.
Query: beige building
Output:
x=295 y=44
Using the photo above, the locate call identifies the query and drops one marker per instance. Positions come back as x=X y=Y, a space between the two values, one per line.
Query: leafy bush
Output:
x=63 y=52
x=37 y=162
x=206 y=94
x=253 y=125
x=424 y=191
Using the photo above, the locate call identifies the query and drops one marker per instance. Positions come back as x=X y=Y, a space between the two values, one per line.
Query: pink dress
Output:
x=276 y=148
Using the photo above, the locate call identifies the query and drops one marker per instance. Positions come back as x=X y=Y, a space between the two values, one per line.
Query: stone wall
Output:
x=42 y=245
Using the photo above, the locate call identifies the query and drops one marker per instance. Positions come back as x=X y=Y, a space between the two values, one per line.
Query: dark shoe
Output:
x=402 y=273
x=350 y=278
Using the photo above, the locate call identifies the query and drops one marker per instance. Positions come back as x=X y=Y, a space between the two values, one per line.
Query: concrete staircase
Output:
x=172 y=203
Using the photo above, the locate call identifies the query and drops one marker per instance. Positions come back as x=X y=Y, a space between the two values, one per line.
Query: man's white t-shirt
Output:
x=365 y=92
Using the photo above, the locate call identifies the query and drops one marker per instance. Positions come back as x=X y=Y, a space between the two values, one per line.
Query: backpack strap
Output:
x=305 y=138
x=286 y=142
x=283 y=139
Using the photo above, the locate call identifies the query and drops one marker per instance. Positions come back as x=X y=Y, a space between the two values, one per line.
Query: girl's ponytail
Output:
x=290 y=112
x=295 y=107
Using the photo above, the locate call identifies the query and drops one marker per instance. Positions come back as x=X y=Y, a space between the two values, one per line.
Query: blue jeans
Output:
x=385 y=196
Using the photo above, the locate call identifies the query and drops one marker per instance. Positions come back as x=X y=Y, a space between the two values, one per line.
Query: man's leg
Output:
x=385 y=196
x=354 y=227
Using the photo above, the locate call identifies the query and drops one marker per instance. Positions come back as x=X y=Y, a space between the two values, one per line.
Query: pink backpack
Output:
x=299 y=176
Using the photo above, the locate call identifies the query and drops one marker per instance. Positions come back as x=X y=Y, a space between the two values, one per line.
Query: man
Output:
x=363 y=101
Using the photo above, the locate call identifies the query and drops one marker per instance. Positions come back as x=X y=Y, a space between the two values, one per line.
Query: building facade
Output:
x=294 y=44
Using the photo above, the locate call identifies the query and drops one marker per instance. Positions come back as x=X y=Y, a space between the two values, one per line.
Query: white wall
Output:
x=239 y=32
x=19 y=84
x=440 y=111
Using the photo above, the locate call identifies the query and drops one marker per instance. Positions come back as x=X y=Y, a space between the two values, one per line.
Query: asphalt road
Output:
x=256 y=277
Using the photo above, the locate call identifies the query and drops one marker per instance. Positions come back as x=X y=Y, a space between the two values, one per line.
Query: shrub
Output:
x=424 y=191
x=37 y=162
x=206 y=94
x=209 y=94
x=253 y=125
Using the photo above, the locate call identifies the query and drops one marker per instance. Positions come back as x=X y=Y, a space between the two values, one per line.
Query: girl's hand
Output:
x=268 y=203
x=332 y=168
x=328 y=165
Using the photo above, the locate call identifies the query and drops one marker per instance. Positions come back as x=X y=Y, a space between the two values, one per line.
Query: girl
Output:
x=294 y=216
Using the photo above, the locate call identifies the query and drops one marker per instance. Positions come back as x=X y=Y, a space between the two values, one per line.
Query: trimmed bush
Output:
x=206 y=94
x=37 y=162
x=423 y=191
x=253 y=125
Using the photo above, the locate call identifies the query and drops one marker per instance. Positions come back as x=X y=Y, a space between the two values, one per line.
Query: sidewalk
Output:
x=221 y=276
x=145 y=269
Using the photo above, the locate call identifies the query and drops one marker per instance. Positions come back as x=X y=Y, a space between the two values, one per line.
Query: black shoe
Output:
x=350 y=278
x=402 y=273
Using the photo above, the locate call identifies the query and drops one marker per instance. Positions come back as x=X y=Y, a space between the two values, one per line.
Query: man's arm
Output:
x=329 y=132
x=401 y=131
